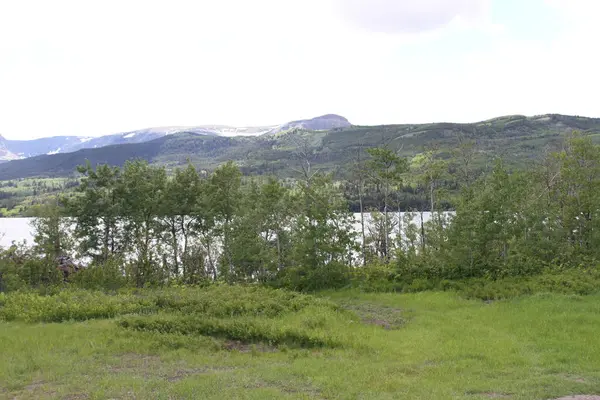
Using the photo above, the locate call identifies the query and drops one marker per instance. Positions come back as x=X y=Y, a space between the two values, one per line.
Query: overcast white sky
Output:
x=84 y=67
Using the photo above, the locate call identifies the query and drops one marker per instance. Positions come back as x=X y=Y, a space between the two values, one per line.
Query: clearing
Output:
x=365 y=346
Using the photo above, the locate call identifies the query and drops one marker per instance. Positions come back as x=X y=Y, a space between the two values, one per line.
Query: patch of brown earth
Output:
x=130 y=362
x=152 y=367
x=580 y=397
x=493 y=395
x=573 y=378
x=76 y=396
x=379 y=315
x=32 y=387
x=37 y=389
x=379 y=322
x=184 y=373
x=236 y=345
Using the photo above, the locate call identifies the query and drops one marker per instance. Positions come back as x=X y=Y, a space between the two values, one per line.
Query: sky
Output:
x=88 y=68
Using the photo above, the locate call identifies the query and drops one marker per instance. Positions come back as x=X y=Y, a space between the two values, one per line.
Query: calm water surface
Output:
x=15 y=229
x=19 y=229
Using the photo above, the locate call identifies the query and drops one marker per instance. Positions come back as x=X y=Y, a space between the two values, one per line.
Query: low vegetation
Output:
x=187 y=342
x=206 y=285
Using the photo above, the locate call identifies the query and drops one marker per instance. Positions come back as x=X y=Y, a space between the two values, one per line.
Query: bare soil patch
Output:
x=236 y=345
x=580 y=397
x=375 y=314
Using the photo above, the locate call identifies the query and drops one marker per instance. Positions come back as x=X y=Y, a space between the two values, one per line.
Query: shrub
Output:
x=375 y=277
x=220 y=301
x=245 y=329
x=576 y=281
x=69 y=305
x=330 y=276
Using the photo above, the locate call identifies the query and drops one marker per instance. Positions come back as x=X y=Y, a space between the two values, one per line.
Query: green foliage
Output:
x=76 y=305
x=217 y=301
x=144 y=228
x=574 y=282
x=419 y=346
x=21 y=268
x=245 y=329
x=245 y=313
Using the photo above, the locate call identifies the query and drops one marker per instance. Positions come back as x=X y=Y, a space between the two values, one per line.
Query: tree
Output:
x=141 y=190
x=51 y=232
x=322 y=234
x=360 y=179
x=178 y=204
x=52 y=240
x=430 y=172
x=97 y=211
x=225 y=197
x=386 y=169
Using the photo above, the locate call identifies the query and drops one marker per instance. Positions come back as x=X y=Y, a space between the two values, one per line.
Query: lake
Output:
x=19 y=229
x=15 y=229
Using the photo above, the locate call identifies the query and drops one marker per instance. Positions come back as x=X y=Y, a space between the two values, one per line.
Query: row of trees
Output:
x=141 y=226
x=194 y=226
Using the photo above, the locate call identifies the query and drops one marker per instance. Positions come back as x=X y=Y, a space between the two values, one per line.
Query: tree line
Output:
x=139 y=226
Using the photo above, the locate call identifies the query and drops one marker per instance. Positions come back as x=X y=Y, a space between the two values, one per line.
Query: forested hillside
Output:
x=517 y=139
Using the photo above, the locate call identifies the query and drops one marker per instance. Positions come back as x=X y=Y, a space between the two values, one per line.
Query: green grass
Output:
x=429 y=345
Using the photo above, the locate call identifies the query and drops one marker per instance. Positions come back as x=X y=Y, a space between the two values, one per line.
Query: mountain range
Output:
x=15 y=149
x=330 y=142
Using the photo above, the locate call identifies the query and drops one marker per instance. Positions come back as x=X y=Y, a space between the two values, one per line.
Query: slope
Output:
x=67 y=144
x=518 y=139
x=5 y=154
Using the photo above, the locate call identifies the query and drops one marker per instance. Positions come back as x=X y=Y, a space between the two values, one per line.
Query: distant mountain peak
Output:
x=67 y=144
x=332 y=116
x=321 y=123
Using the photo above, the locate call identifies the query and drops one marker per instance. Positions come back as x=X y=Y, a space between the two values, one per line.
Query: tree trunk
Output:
x=175 y=245
x=362 y=225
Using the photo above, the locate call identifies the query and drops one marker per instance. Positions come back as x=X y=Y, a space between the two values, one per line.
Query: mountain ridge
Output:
x=67 y=144
x=519 y=139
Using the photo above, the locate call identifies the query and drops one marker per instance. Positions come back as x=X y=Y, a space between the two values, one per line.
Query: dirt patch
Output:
x=580 y=397
x=76 y=396
x=493 y=395
x=133 y=361
x=574 y=378
x=32 y=387
x=375 y=314
x=184 y=373
x=152 y=367
x=236 y=345
x=36 y=389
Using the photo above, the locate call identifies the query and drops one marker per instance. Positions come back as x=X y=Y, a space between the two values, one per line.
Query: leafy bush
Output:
x=330 y=276
x=77 y=305
x=107 y=276
x=375 y=278
x=245 y=329
x=233 y=301
x=243 y=313
x=579 y=282
x=215 y=301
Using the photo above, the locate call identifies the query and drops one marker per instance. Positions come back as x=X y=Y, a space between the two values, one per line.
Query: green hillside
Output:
x=518 y=139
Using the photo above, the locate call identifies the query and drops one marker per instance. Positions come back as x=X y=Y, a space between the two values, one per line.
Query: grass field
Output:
x=356 y=346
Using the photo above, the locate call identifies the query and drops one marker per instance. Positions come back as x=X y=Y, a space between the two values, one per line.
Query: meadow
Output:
x=250 y=342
